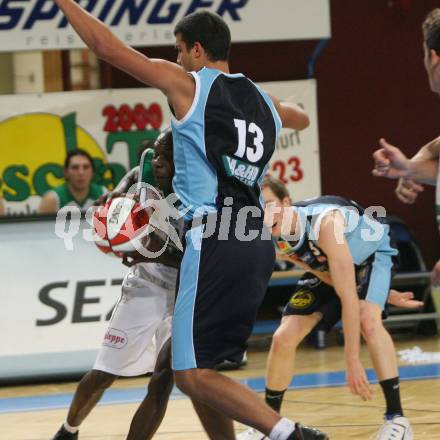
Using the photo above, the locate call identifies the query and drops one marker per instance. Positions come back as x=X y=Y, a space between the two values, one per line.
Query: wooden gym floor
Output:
x=35 y=412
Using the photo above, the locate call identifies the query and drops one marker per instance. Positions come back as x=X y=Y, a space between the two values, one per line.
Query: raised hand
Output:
x=390 y=162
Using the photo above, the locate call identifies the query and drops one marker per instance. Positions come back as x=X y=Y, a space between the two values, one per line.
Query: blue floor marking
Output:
x=135 y=395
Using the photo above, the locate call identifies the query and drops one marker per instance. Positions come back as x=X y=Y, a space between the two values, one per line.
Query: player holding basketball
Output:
x=224 y=131
x=143 y=314
x=424 y=166
x=344 y=261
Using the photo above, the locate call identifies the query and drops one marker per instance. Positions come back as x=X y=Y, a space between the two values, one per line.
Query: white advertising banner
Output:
x=39 y=25
x=37 y=131
x=296 y=158
x=56 y=302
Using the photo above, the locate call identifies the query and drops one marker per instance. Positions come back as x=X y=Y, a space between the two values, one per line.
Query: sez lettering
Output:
x=54 y=296
x=24 y=14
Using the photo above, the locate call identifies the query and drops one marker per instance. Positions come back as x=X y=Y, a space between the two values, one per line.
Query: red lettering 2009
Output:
x=125 y=117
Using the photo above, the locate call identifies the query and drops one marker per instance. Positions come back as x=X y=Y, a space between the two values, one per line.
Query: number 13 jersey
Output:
x=224 y=143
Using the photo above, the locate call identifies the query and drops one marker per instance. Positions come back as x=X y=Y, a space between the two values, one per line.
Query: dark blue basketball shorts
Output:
x=221 y=285
x=312 y=295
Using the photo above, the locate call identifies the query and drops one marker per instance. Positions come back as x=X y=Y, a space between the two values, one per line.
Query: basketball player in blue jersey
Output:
x=224 y=131
x=348 y=260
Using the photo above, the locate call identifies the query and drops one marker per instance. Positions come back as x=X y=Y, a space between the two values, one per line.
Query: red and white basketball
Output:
x=100 y=229
x=119 y=225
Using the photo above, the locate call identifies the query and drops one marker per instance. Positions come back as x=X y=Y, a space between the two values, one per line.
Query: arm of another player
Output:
x=323 y=276
x=161 y=74
x=430 y=151
x=404 y=300
x=291 y=114
x=390 y=162
x=332 y=242
x=407 y=190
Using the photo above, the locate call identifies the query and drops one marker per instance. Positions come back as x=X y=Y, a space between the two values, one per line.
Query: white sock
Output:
x=71 y=429
x=282 y=430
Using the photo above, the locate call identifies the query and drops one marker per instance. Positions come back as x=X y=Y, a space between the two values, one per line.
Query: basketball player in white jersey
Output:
x=139 y=328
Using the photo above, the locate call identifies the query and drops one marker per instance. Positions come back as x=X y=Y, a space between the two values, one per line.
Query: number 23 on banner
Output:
x=288 y=170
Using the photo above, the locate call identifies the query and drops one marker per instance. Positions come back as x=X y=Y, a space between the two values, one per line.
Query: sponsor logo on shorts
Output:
x=115 y=338
x=302 y=299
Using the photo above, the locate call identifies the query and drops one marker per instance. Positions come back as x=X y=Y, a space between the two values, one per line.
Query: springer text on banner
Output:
x=39 y=25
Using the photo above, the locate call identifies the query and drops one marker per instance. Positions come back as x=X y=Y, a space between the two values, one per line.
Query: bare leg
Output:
x=88 y=393
x=379 y=342
x=217 y=425
x=281 y=360
x=151 y=411
x=228 y=397
x=237 y=401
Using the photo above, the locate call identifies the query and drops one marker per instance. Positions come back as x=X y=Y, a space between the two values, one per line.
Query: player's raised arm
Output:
x=332 y=242
x=291 y=114
x=164 y=75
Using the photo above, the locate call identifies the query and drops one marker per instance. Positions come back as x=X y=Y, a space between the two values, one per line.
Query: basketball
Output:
x=118 y=225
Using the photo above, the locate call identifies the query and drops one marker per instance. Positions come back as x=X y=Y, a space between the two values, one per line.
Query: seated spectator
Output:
x=78 y=190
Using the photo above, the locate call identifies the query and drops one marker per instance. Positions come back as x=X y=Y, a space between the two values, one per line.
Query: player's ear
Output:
x=434 y=57
x=198 y=49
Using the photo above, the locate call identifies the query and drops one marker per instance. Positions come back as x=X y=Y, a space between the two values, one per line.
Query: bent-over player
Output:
x=344 y=261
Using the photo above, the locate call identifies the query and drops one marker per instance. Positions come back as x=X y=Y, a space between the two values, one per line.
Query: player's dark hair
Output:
x=78 y=152
x=431 y=30
x=165 y=139
x=209 y=30
x=277 y=187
